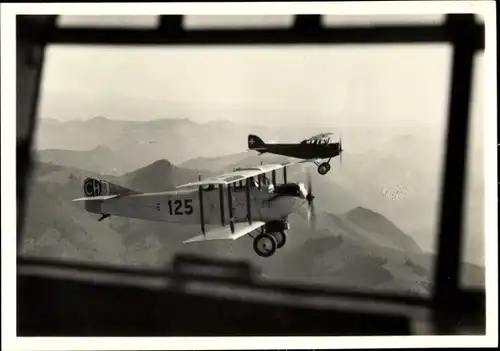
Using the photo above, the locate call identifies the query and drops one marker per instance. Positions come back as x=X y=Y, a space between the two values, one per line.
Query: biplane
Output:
x=226 y=207
x=313 y=149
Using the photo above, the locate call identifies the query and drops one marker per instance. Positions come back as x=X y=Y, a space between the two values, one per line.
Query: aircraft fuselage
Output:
x=304 y=151
x=184 y=206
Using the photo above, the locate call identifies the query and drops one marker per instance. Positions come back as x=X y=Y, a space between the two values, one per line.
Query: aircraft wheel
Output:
x=323 y=168
x=265 y=245
x=280 y=239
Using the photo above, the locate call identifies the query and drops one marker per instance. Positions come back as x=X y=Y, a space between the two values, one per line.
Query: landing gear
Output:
x=324 y=168
x=280 y=238
x=271 y=238
x=265 y=245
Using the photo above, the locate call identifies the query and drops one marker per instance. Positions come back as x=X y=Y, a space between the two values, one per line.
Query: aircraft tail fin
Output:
x=97 y=191
x=93 y=187
x=255 y=143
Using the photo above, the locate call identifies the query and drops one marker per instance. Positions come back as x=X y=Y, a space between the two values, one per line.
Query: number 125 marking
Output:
x=179 y=207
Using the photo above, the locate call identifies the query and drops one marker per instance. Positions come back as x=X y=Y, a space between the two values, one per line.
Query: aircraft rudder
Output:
x=97 y=187
x=255 y=142
x=97 y=191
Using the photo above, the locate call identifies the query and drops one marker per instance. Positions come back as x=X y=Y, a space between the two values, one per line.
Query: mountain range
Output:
x=394 y=170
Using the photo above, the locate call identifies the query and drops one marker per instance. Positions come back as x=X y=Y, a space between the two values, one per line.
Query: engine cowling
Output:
x=290 y=189
x=276 y=226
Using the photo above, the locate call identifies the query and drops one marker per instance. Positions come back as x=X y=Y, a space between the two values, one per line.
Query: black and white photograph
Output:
x=283 y=174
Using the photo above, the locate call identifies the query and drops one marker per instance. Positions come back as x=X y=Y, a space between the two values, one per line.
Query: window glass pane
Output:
x=357 y=20
x=474 y=234
x=150 y=119
x=120 y=21
x=239 y=21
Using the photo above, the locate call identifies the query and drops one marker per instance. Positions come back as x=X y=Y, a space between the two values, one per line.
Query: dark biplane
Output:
x=313 y=149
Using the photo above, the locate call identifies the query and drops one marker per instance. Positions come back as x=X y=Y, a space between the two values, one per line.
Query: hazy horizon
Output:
x=299 y=86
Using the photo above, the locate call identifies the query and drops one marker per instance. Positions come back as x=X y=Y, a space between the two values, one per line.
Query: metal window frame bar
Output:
x=221 y=201
x=306 y=30
x=461 y=31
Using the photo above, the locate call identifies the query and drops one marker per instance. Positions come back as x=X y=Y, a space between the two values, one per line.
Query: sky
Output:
x=296 y=85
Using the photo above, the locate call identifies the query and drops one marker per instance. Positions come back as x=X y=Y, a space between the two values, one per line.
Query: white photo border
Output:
x=10 y=341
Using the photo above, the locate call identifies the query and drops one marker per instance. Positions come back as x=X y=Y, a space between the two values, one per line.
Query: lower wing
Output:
x=224 y=232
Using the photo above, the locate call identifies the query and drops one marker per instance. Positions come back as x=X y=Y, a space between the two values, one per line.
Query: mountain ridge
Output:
x=393 y=170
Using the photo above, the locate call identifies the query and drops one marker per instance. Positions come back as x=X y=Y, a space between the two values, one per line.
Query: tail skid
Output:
x=104 y=216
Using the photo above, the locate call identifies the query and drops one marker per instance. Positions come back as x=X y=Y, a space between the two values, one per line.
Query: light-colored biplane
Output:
x=226 y=207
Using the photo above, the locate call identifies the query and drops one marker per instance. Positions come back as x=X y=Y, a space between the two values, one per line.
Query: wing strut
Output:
x=274 y=178
x=202 y=214
x=230 y=205
x=249 y=209
x=221 y=197
x=284 y=175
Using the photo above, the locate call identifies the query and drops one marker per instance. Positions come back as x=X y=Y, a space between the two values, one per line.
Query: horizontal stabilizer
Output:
x=96 y=198
x=224 y=233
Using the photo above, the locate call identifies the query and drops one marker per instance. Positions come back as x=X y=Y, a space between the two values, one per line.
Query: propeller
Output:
x=311 y=213
x=340 y=149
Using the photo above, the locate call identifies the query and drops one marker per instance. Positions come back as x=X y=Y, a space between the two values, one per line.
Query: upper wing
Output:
x=320 y=136
x=240 y=174
x=222 y=233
